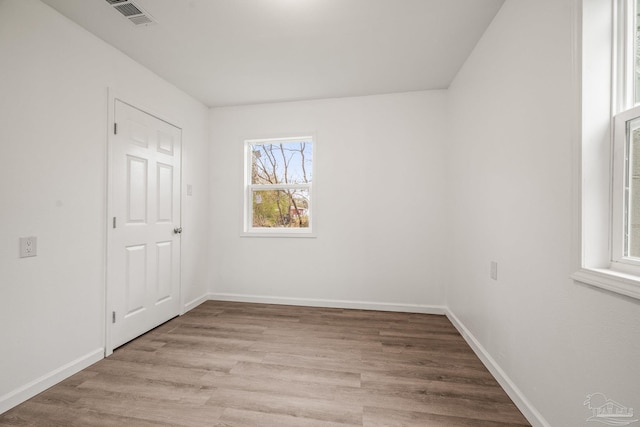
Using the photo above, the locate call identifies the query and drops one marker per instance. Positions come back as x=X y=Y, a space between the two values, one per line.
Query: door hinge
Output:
x=114 y=222
x=113 y=317
x=115 y=128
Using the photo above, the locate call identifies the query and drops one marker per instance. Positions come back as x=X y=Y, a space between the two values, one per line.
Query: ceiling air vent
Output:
x=131 y=11
x=141 y=19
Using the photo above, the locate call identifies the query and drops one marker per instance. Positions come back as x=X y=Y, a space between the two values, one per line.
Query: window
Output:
x=278 y=187
x=607 y=131
x=625 y=237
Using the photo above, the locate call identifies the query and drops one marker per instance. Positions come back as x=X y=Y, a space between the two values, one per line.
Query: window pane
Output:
x=281 y=163
x=280 y=208
x=633 y=190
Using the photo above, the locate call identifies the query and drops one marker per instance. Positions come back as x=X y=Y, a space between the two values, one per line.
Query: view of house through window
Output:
x=632 y=208
x=632 y=222
x=279 y=190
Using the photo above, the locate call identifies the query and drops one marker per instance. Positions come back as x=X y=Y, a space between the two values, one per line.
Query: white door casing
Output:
x=143 y=244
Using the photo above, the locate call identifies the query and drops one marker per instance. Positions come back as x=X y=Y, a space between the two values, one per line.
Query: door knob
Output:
x=177 y=230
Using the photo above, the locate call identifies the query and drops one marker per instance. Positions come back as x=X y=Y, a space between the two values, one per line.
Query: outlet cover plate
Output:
x=28 y=246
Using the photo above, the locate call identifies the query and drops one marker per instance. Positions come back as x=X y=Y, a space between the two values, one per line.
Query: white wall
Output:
x=491 y=159
x=53 y=115
x=510 y=186
x=379 y=194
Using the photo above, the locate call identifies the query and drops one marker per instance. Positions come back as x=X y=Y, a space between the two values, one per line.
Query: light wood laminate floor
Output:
x=237 y=364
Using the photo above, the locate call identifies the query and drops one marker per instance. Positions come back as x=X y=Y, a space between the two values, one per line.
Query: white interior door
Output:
x=143 y=258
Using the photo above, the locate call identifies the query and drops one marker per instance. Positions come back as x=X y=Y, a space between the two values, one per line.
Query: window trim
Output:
x=597 y=97
x=248 y=188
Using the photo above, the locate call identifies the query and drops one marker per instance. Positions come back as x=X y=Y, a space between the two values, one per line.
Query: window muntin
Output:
x=278 y=183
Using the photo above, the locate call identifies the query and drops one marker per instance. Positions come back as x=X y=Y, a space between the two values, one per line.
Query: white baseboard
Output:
x=39 y=385
x=312 y=302
x=194 y=303
x=528 y=410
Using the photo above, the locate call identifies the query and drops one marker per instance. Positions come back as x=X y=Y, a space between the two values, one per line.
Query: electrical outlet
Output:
x=494 y=270
x=28 y=246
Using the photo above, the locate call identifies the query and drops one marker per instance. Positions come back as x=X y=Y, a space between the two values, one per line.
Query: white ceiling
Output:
x=235 y=52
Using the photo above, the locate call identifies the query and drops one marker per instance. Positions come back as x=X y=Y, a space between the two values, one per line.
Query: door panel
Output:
x=164 y=250
x=165 y=143
x=143 y=273
x=165 y=193
x=136 y=278
x=137 y=187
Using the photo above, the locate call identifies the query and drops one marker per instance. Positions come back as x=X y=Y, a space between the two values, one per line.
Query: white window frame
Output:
x=624 y=109
x=248 y=228
x=619 y=221
x=600 y=147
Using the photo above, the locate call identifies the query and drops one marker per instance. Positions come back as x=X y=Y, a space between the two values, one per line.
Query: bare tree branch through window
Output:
x=280 y=183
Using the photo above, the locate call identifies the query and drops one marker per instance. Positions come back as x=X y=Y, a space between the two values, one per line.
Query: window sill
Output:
x=278 y=234
x=611 y=280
